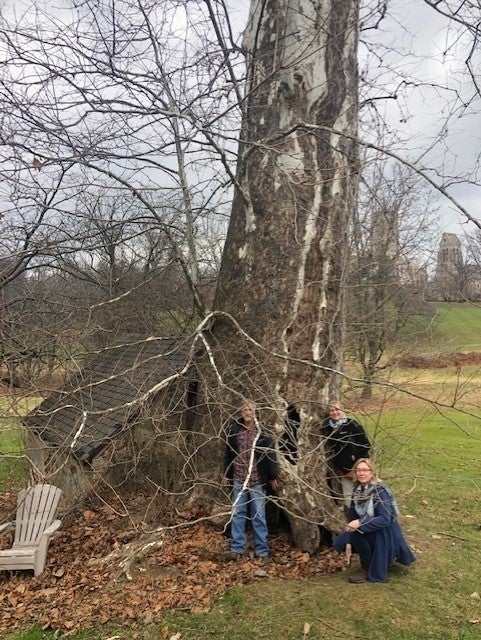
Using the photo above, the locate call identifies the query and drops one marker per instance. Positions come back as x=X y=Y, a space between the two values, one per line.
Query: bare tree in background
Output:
x=119 y=112
x=388 y=267
x=132 y=134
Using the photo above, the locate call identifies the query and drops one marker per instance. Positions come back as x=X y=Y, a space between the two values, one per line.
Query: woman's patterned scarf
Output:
x=364 y=496
x=335 y=424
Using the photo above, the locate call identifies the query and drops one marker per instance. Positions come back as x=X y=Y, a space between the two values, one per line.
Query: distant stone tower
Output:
x=449 y=279
x=450 y=257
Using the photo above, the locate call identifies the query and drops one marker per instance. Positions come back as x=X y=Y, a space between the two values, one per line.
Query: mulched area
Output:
x=82 y=586
x=454 y=360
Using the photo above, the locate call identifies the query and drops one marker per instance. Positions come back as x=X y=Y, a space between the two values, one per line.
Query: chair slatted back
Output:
x=36 y=508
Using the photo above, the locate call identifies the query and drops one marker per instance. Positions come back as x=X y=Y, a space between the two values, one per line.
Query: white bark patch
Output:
x=291 y=162
x=322 y=306
x=303 y=38
x=336 y=190
x=309 y=235
x=250 y=218
x=301 y=53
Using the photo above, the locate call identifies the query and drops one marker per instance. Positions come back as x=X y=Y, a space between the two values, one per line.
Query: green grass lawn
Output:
x=432 y=461
x=13 y=462
x=430 y=455
x=458 y=327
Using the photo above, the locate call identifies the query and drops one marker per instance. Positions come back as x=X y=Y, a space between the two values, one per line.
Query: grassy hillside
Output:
x=458 y=327
x=430 y=457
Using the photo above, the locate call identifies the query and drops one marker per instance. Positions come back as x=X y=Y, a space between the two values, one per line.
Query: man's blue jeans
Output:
x=249 y=503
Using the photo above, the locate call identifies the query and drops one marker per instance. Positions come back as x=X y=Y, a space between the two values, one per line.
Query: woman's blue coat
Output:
x=389 y=543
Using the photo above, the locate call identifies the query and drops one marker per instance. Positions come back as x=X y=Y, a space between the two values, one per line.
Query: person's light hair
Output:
x=335 y=403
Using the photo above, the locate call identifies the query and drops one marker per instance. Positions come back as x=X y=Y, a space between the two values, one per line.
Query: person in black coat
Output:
x=345 y=442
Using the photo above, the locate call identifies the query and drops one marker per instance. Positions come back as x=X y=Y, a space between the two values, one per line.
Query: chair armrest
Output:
x=52 y=528
x=6 y=526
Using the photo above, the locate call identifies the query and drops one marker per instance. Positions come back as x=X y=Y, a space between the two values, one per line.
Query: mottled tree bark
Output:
x=285 y=251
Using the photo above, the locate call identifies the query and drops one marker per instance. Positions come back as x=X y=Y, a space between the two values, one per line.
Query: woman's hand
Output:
x=353 y=525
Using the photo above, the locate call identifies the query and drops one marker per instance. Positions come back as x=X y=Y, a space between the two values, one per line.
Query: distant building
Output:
x=473 y=277
x=450 y=256
x=454 y=280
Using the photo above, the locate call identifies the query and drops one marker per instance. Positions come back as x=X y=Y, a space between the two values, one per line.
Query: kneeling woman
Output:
x=372 y=528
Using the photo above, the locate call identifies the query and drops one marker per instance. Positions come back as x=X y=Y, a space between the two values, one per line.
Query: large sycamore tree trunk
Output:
x=285 y=251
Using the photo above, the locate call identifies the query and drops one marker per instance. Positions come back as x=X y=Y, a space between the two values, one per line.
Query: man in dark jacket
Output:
x=249 y=466
x=345 y=442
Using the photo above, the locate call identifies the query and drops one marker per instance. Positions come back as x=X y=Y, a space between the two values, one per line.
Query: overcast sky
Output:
x=433 y=49
x=421 y=44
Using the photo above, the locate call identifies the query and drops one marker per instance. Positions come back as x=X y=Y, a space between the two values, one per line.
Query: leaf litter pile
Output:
x=85 y=583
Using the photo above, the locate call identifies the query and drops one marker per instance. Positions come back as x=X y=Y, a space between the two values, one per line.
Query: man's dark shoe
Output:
x=264 y=559
x=358 y=577
x=231 y=556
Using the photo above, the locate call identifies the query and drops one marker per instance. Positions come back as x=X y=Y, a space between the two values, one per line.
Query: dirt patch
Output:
x=439 y=361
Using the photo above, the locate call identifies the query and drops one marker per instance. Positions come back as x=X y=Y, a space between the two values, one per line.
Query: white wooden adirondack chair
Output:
x=34 y=526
